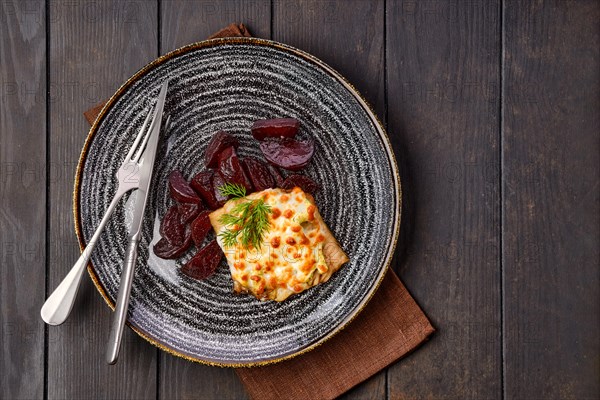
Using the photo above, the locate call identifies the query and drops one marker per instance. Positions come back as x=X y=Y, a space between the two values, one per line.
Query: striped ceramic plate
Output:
x=228 y=84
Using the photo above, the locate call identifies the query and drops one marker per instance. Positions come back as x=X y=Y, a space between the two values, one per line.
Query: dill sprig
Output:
x=236 y=191
x=248 y=221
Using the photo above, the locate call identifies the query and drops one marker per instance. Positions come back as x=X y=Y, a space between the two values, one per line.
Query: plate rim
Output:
x=320 y=64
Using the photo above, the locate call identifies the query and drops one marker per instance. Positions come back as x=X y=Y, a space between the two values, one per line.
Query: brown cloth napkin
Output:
x=390 y=327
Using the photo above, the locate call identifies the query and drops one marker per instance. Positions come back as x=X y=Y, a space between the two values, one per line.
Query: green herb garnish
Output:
x=236 y=191
x=248 y=220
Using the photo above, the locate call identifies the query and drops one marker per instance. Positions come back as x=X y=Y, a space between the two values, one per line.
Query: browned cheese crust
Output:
x=332 y=252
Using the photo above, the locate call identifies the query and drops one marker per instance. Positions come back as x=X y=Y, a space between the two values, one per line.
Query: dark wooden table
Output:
x=493 y=110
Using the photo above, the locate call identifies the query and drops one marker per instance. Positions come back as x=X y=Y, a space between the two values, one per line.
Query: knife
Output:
x=135 y=232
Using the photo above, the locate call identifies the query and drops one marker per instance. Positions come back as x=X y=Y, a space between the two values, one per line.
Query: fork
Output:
x=57 y=307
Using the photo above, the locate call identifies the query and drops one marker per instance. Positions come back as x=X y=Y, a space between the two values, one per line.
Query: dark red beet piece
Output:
x=259 y=174
x=276 y=174
x=231 y=169
x=217 y=182
x=180 y=189
x=302 y=181
x=205 y=262
x=275 y=128
x=288 y=153
x=202 y=183
x=168 y=251
x=171 y=227
x=200 y=228
x=189 y=211
x=219 y=142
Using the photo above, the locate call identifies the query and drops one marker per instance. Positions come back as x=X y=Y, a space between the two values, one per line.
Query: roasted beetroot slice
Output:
x=301 y=181
x=189 y=211
x=217 y=182
x=275 y=128
x=231 y=169
x=259 y=174
x=202 y=183
x=180 y=189
x=171 y=227
x=200 y=228
x=288 y=153
x=204 y=263
x=168 y=251
x=219 y=142
x=276 y=175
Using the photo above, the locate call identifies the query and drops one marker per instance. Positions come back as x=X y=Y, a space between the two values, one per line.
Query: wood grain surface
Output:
x=551 y=200
x=443 y=108
x=23 y=211
x=492 y=109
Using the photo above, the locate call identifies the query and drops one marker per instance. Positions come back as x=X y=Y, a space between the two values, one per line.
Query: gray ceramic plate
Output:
x=228 y=84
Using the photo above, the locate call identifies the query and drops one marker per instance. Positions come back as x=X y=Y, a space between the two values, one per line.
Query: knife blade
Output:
x=145 y=174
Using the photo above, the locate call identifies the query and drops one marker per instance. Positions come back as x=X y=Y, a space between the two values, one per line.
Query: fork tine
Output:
x=143 y=132
x=140 y=151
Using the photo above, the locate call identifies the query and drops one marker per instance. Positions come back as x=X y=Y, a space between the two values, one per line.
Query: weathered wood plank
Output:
x=443 y=109
x=185 y=22
x=23 y=198
x=551 y=183
x=349 y=36
x=94 y=47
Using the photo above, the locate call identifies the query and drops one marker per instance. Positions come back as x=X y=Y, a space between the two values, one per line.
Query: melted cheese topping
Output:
x=291 y=257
